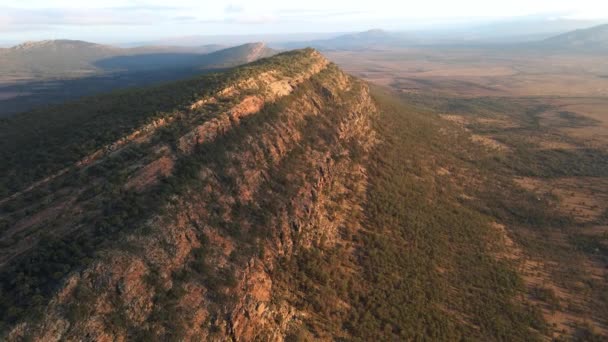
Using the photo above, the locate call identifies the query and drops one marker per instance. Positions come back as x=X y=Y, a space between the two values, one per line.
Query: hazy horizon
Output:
x=120 y=22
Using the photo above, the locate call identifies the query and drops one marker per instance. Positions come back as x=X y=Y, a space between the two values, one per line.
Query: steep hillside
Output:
x=280 y=200
x=591 y=39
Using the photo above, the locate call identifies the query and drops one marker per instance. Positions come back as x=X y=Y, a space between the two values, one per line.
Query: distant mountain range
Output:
x=359 y=40
x=530 y=31
x=591 y=39
x=231 y=40
x=371 y=38
x=72 y=58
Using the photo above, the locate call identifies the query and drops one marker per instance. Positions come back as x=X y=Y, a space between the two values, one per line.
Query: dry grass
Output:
x=594 y=136
x=583 y=198
x=489 y=142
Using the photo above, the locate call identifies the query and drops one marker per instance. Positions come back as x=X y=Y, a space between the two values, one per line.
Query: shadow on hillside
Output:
x=151 y=61
x=37 y=94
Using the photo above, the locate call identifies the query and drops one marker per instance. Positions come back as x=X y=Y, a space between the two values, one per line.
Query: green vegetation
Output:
x=41 y=142
x=424 y=263
x=545 y=230
x=426 y=258
x=28 y=281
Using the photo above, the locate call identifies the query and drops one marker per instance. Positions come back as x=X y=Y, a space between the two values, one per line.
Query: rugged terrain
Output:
x=250 y=173
x=287 y=200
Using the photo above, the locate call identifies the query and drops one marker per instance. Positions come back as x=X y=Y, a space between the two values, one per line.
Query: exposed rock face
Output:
x=288 y=175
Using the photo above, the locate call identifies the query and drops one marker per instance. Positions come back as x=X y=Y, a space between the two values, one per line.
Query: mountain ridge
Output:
x=279 y=200
x=292 y=108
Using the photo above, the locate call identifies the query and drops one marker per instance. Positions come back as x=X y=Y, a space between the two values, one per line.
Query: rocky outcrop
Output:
x=201 y=268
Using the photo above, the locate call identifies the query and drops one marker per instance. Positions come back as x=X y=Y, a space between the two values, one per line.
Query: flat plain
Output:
x=480 y=71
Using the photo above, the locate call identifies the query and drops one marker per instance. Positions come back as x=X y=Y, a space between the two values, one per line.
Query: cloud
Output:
x=243 y=20
x=311 y=13
x=232 y=8
x=239 y=16
x=17 y=19
x=184 y=18
x=146 y=8
x=255 y=19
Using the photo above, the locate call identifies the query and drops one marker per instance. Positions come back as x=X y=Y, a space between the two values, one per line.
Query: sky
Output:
x=140 y=20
